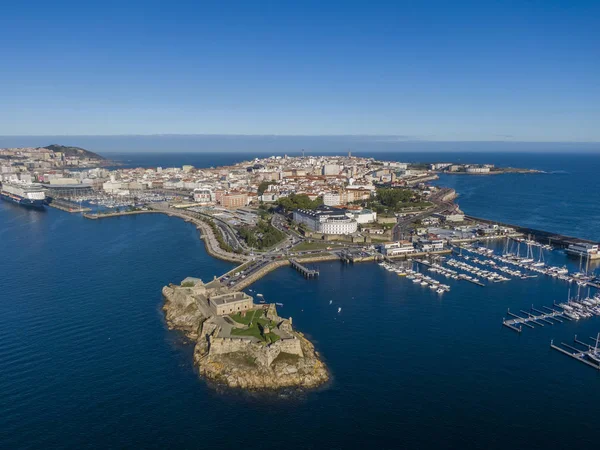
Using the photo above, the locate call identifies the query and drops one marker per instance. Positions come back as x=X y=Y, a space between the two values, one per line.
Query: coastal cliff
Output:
x=250 y=347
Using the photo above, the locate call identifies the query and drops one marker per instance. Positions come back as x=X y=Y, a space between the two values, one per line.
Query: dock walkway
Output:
x=308 y=273
x=577 y=353
x=549 y=318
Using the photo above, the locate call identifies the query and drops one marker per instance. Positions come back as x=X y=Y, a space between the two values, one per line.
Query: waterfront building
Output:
x=396 y=248
x=326 y=220
x=478 y=169
x=430 y=245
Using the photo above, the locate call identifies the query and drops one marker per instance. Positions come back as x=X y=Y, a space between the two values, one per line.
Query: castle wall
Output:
x=263 y=355
x=290 y=346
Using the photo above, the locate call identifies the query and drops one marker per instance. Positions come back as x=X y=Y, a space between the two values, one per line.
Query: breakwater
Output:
x=545 y=237
x=68 y=206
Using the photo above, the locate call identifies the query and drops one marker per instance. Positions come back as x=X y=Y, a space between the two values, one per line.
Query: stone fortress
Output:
x=238 y=342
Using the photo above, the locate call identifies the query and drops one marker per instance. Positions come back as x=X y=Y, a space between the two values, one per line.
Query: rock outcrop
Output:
x=284 y=358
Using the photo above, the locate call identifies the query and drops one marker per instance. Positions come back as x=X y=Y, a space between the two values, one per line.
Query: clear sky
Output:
x=432 y=70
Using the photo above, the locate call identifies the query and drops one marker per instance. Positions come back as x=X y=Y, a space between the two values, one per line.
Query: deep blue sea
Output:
x=86 y=360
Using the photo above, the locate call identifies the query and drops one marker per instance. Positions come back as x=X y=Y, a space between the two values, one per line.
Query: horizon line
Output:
x=396 y=138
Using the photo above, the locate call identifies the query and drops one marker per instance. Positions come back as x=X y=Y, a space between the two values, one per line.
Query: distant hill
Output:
x=74 y=151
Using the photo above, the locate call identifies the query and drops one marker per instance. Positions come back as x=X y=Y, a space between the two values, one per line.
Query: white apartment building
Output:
x=326 y=220
x=397 y=248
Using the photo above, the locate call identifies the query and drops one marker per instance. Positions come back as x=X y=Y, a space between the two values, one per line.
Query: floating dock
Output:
x=540 y=318
x=577 y=353
x=463 y=278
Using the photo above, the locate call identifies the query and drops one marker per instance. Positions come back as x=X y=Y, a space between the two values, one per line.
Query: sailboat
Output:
x=594 y=355
x=529 y=257
x=540 y=262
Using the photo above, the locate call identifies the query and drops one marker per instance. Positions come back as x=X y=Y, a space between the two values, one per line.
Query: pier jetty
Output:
x=67 y=206
x=308 y=273
x=545 y=237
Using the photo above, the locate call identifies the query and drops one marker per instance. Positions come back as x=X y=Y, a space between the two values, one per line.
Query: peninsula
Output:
x=267 y=213
x=239 y=343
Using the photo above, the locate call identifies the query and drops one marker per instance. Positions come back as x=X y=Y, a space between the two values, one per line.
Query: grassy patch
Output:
x=313 y=255
x=255 y=322
x=313 y=246
x=251 y=316
x=251 y=331
x=271 y=337
x=379 y=239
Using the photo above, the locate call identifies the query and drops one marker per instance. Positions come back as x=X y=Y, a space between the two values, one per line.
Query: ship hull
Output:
x=577 y=254
x=28 y=203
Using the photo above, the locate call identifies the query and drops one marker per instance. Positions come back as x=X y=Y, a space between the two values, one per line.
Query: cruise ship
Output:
x=25 y=194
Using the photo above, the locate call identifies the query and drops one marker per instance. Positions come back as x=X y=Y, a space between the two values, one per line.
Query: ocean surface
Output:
x=86 y=360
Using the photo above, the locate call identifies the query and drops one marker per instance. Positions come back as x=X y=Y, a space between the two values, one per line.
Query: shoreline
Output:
x=498 y=172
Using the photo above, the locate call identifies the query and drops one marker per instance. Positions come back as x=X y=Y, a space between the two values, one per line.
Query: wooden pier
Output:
x=308 y=273
x=540 y=318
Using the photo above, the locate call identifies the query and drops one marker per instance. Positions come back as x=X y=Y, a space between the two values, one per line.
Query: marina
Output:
x=416 y=277
x=531 y=267
x=589 y=355
x=540 y=318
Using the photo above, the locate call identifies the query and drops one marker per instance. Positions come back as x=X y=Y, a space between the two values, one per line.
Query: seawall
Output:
x=545 y=237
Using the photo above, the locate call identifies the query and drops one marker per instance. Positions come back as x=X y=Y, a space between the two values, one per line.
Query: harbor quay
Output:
x=545 y=237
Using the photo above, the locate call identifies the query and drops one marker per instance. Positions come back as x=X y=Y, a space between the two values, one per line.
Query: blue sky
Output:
x=424 y=70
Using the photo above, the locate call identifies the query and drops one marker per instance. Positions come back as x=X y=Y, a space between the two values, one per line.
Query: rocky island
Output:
x=239 y=343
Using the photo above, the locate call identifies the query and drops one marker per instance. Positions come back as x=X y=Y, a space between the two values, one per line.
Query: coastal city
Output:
x=300 y=225
x=269 y=212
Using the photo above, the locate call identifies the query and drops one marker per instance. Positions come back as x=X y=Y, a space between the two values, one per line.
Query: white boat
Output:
x=594 y=354
x=339 y=310
x=572 y=315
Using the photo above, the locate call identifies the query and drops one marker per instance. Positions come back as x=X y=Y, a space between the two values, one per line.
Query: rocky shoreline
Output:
x=259 y=351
